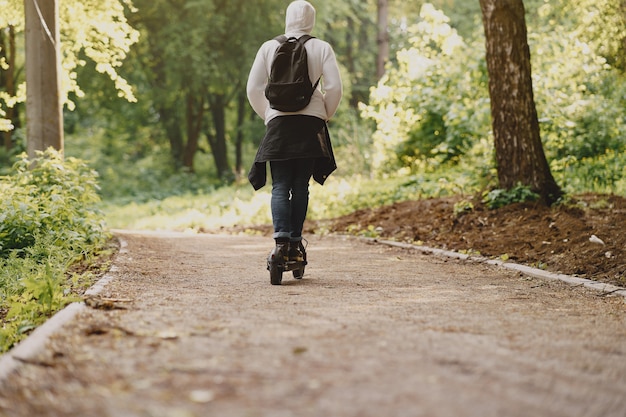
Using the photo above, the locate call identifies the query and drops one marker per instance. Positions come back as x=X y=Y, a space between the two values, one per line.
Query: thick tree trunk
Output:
x=44 y=111
x=519 y=152
x=383 y=37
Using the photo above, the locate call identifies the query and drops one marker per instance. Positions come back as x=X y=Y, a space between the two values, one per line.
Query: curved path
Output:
x=189 y=326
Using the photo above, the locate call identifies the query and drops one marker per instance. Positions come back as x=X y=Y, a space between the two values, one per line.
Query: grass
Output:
x=239 y=205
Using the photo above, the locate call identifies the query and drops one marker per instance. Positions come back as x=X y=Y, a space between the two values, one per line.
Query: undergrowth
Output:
x=239 y=205
x=49 y=223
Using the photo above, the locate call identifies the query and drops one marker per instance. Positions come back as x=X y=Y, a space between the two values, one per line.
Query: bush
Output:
x=431 y=109
x=432 y=105
x=48 y=223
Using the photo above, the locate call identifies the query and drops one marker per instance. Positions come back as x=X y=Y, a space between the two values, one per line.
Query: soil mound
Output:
x=585 y=238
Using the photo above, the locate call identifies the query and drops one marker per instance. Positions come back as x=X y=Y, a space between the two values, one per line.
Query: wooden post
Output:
x=44 y=110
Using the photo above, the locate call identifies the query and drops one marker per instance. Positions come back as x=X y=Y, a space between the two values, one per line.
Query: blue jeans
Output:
x=290 y=196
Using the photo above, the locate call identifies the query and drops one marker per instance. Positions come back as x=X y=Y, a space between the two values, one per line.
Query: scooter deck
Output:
x=291 y=265
x=276 y=270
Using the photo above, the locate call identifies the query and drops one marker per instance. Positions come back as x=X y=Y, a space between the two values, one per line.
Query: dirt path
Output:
x=370 y=331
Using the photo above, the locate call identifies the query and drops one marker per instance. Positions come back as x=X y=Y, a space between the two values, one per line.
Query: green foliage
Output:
x=91 y=31
x=138 y=170
x=224 y=206
x=33 y=287
x=49 y=222
x=50 y=197
x=238 y=204
x=432 y=106
x=191 y=66
x=605 y=174
x=352 y=142
x=600 y=24
x=350 y=27
x=462 y=207
x=580 y=106
x=99 y=31
x=500 y=197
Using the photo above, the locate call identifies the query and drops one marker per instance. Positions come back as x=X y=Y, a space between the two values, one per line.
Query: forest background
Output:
x=156 y=101
x=174 y=119
x=159 y=134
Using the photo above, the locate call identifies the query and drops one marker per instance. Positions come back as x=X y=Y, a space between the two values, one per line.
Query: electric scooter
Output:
x=278 y=262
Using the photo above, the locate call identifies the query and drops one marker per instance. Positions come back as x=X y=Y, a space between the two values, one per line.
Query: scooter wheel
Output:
x=276 y=274
x=298 y=273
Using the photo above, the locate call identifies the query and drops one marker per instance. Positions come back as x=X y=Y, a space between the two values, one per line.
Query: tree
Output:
x=8 y=52
x=383 y=37
x=89 y=31
x=520 y=157
x=44 y=111
x=197 y=55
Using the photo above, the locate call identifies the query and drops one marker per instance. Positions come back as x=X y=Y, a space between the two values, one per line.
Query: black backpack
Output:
x=289 y=87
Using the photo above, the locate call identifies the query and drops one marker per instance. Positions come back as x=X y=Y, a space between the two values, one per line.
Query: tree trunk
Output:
x=44 y=111
x=217 y=141
x=348 y=56
x=520 y=157
x=383 y=37
x=8 y=80
x=621 y=58
x=242 y=106
x=170 y=123
x=194 y=116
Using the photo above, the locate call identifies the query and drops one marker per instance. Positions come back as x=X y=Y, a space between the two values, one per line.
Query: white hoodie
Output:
x=299 y=20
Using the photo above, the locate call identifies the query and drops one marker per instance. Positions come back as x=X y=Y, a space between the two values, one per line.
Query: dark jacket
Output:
x=294 y=137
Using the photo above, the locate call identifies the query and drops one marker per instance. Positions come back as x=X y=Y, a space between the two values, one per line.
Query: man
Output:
x=296 y=144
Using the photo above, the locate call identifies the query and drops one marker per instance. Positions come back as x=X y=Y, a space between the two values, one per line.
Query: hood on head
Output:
x=300 y=17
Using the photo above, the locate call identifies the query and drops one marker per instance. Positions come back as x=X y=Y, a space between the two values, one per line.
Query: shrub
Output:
x=48 y=223
x=500 y=197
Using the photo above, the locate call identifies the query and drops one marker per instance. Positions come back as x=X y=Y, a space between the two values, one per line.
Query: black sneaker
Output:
x=297 y=252
x=280 y=253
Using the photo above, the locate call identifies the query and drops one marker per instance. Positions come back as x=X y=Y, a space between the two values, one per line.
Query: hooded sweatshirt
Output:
x=299 y=20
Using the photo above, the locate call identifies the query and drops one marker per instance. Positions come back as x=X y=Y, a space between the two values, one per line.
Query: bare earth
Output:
x=196 y=329
x=553 y=238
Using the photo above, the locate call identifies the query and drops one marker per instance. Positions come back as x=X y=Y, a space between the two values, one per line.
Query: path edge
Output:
x=36 y=341
x=603 y=288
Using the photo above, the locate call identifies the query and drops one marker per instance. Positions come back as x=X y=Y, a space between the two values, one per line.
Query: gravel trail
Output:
x=189 y=326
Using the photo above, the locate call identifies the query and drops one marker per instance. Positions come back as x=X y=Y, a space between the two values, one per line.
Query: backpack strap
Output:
x=302 y=39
